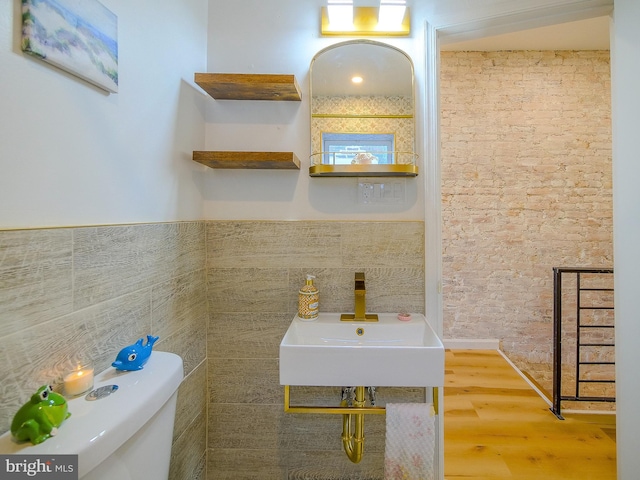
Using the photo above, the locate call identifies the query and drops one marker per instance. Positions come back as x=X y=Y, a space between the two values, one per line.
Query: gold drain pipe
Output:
x=353 y=439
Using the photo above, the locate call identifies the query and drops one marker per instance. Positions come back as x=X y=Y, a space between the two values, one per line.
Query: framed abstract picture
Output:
x=78 y=36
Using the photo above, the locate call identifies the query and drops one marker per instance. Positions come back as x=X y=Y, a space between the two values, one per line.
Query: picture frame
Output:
x=78 y=36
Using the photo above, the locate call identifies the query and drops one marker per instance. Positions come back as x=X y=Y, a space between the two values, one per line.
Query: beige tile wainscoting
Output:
x=226 y=288
x=89 y=291
x=254 y=271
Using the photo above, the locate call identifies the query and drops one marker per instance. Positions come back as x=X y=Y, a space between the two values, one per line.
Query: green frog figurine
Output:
x=39 y=418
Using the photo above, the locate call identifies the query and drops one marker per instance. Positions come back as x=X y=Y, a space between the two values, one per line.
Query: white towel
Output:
x=410 y=442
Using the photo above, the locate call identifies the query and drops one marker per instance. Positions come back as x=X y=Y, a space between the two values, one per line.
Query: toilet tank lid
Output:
x=97 y=428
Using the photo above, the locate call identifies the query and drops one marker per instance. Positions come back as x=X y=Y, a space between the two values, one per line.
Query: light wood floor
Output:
x=497 y=427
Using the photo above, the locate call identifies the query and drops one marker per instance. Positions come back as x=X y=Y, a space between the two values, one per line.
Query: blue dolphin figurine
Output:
x=135 y=356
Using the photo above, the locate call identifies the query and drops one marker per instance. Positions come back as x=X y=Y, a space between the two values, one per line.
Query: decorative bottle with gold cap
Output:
x=308 y=300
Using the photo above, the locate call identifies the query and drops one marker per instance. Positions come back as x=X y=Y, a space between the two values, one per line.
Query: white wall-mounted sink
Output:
x=390 y=352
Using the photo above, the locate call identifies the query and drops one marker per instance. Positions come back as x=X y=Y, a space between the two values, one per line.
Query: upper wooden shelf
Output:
x=240 y=86
x=266 y=160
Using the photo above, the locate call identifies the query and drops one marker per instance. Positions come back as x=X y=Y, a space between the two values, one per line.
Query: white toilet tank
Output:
x=125 y=435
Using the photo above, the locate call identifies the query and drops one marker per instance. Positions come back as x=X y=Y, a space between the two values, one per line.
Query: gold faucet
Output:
x=360 y=314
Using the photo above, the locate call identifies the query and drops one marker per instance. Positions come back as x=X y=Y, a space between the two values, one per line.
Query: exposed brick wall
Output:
x=526 y=186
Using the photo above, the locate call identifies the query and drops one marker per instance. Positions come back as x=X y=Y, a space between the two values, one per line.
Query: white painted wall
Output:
x=73 y=155
x=282 y=36
x=626 y=230
x=70 y=154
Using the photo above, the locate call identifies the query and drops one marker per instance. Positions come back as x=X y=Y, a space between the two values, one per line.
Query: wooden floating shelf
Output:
x=240 y=86
x=256 y=160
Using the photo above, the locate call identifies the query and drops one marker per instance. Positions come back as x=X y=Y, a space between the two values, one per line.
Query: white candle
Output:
x=78 y=381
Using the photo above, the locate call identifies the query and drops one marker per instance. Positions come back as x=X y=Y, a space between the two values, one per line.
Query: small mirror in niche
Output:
x=365 y=127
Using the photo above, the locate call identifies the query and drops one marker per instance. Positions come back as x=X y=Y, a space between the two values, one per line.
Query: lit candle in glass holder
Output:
x=78 y=380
